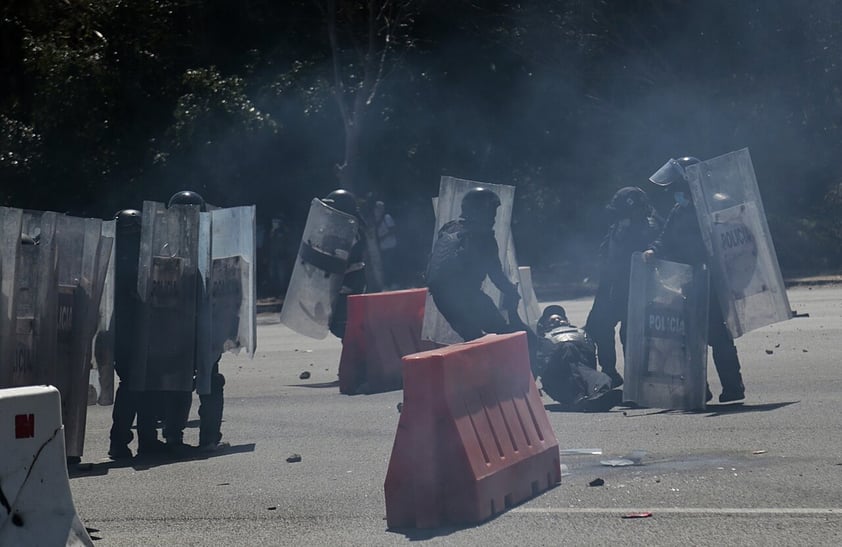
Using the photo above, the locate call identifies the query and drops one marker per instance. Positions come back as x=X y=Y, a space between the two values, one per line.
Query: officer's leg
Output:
x=488 y=316
x=175 y=420
x=457 y=311
x=725 y=357
x=210 y=411
x=122 y=416
x=148 y=407
x=600 y=325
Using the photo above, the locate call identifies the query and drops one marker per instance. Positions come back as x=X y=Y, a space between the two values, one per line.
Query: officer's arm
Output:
x=495 y=270
x=665 y=241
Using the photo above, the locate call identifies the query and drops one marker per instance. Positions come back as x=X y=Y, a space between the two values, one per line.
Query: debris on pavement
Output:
x=573 y=451
x=769 y=352
x=596 y=482
x=400 y=408
x=617 y=462
x=643 y=515
x=758 y=452
x=294 y=458
x=304 y=375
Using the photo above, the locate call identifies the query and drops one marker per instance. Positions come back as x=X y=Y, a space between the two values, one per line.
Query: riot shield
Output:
x=10 y=229
x=528 y=307
x=666 y=348
x=744 y=269
x=35 y=303
x=227 y=313
x=319 y=268
x=102 y=378
x=448 y=207
x=83 y=256
x=167 y=286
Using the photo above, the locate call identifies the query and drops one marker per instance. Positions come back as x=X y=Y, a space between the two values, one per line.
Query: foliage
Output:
x=110 y=102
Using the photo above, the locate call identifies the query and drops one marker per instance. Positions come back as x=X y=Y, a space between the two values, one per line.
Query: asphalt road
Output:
x=767 y=472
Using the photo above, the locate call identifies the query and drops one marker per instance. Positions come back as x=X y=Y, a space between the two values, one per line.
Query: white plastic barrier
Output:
x=36 y=507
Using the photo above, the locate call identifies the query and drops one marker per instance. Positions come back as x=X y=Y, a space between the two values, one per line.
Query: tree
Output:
x=366 y=42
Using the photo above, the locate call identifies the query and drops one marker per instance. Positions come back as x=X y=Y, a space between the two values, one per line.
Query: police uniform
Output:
x=128 y=403
x=610 y=304
x=681 y=241
x=463 y=255
x=567 y=367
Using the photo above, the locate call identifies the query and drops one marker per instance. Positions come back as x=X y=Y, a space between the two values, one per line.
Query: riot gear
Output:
x=554 y=316
x=628 y=202
x=480 y=204
x=186 y=197
x=343 y=200
x=566 y=365
x=673 y=171
x=128 y=221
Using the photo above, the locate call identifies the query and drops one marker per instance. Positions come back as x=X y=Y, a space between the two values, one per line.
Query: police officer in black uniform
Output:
x=464 y=253
x=634 y=225
x=128 y=403
x=566 y=364
x=353 y=280
x=212 y=404
x=681 y=241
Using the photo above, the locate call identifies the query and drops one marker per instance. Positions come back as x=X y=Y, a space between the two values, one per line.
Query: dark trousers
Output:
x=471 y=313
x=724 y=351
x=127 y=405
x=601 y=326
x=175 y=406
x=210 y=410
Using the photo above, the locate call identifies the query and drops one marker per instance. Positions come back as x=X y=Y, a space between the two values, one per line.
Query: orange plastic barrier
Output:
x=473 y=438
x=382 y=328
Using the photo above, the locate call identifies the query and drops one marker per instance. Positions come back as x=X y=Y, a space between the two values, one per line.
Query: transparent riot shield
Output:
x=102 y=377
x=319 y=268
x=744 y=269
x=35 y=303
x=528 y=307
x=666 y=348
x=83 y=256
x=10 y=228
x=449 y=207
x=227 y=312
x=167 y=286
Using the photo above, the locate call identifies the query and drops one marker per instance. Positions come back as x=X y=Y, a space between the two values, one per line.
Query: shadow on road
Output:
x=145 y=462
x=334 y=383
x=714 y=410
x=719 y=410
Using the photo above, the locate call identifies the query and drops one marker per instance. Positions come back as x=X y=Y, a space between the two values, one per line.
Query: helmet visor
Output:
x=670 y=173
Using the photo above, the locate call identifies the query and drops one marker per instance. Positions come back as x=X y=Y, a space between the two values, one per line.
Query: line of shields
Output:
x=666 y=357
x=326 y=243
x=57 y=301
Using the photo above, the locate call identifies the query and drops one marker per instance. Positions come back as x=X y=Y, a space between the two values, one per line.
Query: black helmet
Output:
x=673 y=171
x=479 y=203
x=342 y=200
x=552 y=317
x=186 y=197
x=128 y=220
x=627 y=201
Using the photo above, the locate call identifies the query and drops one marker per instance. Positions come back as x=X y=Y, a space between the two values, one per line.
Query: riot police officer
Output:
x=211 y=405
x=353 y=280
x=464 y=253
x=681 y=241
x=566 y=364
x=128 y=403
x=634 y=225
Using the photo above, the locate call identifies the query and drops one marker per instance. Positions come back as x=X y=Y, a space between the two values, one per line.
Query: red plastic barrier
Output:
x=473 y=437
x=382 y=328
